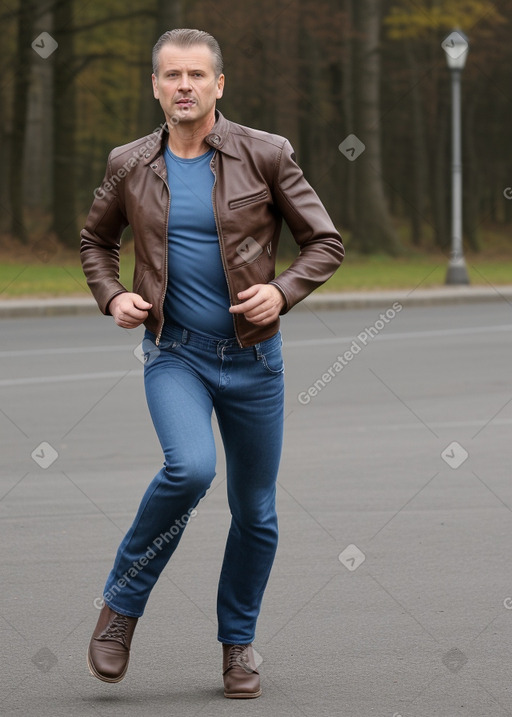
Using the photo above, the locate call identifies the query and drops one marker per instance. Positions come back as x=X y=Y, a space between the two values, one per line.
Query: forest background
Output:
x=75 y=81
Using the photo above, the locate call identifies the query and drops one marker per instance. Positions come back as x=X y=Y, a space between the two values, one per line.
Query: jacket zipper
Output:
x=166 y=266
x=221 y=242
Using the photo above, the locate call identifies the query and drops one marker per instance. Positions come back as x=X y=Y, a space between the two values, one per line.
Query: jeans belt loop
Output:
x=185 y=336
x=257 y=351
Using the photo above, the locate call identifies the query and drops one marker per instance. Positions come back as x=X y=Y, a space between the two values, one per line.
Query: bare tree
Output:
x=372 y=229
x=64 y=121
x=38 y=142
x=19 y=128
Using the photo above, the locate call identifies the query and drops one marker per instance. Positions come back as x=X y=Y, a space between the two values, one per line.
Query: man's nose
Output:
x=184 y=83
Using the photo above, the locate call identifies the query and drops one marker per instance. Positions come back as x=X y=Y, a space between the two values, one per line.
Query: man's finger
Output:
x=143 y=308
x=250 y=292
x=262 y=314
x=136 y=309
x=245 y=306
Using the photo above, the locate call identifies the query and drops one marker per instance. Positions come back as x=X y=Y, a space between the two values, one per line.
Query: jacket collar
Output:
x=218 y=138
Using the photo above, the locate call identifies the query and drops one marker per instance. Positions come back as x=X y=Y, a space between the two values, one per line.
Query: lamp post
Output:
x=456 y=49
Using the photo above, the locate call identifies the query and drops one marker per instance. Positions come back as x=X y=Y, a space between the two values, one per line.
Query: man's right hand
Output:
x=129 y=310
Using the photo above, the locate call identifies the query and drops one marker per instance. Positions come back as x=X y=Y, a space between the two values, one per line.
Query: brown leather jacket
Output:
x=257 y=184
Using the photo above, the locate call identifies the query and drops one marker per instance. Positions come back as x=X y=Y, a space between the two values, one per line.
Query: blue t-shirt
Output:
x=197 y=294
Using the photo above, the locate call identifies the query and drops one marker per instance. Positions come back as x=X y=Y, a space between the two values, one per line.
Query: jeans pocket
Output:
x=271 y=355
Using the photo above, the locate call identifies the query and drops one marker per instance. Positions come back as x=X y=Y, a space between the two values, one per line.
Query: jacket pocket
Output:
x=248 y=199
x=139 y=275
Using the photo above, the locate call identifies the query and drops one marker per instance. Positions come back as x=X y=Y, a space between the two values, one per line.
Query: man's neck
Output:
x=187 y=140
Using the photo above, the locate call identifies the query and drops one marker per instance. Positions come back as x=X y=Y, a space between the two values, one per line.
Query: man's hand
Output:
x=261 y=304
x=129 y=310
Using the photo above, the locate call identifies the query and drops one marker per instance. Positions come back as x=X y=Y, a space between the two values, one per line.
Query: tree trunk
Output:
x=307 y=148
x=37 y=168
x=373 y=230
x=472 y=184
x=5 y=143
x=441 y=192
x=285 y=86
x=348 y=109
x=19 y=127
x=420 y=172
x=64 y=122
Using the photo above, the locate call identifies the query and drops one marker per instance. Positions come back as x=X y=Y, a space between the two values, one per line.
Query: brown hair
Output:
x=185 y=38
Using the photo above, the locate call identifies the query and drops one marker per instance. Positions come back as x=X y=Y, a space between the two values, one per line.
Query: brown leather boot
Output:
x=109 y=649
x=241 y=678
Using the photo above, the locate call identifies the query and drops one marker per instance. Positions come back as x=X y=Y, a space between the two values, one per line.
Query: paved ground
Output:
x=392 y=588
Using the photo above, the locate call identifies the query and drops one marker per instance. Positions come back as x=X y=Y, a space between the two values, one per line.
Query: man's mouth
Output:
x=185 y=102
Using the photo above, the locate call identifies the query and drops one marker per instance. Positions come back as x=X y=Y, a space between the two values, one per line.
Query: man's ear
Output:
x=220 y=86
x=155 y=86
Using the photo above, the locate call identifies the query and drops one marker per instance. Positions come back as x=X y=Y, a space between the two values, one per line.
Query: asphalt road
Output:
x=391 y=593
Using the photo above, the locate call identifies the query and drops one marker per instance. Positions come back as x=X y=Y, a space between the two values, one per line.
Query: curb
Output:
x=408 y=297
x=15 y=308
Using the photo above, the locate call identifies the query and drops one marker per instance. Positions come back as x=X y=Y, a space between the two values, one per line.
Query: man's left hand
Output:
x=261 y=304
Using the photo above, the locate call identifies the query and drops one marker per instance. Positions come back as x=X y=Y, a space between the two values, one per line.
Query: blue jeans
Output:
x=186 y=377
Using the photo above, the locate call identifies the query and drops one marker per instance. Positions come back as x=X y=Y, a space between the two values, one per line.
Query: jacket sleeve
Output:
x=101 y=241
x=320 y=246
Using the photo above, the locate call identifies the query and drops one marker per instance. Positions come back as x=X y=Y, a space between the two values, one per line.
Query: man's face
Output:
x=186 y=85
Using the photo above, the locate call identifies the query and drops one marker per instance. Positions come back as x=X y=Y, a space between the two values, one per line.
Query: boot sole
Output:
x=242 y=695
x=101 y=677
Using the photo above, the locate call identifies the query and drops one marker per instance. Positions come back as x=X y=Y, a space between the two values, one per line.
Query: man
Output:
x=205 y=198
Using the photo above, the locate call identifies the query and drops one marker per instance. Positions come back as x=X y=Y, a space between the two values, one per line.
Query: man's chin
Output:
x=182 y=117
x=184 y=112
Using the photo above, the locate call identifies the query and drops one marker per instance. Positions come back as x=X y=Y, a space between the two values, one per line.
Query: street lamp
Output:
x=456 y=49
